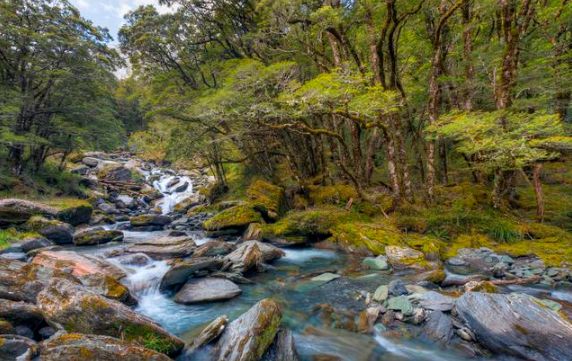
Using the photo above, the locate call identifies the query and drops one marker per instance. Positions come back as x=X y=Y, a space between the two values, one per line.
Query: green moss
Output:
x=234 y=217
x=267 y=197
x=149 y=339
x=11 y=235
x=338 y=194
x=373 y=236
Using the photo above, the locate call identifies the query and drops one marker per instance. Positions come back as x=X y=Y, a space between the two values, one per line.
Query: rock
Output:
x=114 y=172
x=93 y=237
x=149 y=220
x=207 y=335
x=397 y=288
x=80 y=265
x=480 y=286
x=56 y=231
x=76 y=214
x=415 y=289
x=190 y=202
x=24 y=331
x=207 y=290
x=90 y=162
x=438 y=327
x=79 y=310
x=17 y=211
x=76 y=346
x=16 y=256
x=367 y=319
x=248 y=337
x=479 y=260
x=251 y=254
x=165 y=248
x=554 y=306
x=381 y=294
x=17 y=348
x=516 y=324
x=405 y=257
x=432 y=300
x=400 y=303
x=135 y=259
x=253 y=232
x=325 y=277
x=181 y=271
x=378 y=263
x=46 y=332
x=283 y=348
x=107 y=208
x=182 y=188
x=459 y=280
x=125 y=201
x=80 y=170
x=234 y=277
x=31 y=244
x=436 y=275
x=234 y=220
x=213 y=248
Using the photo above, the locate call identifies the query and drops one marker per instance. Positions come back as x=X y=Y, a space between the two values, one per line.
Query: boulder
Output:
x=283 y=348
x=479 y=260
x=31 y=244
x=80 y=265
x=182 y=271
x=405 y=257
x=401 y=304
x=114 y=172
x=190 y=202
x=248 y=337
x=165 y=248
x=18 y=211
x=76 y=214
x=97 y=236
x=378 y=263
x=381 y=293
x=149 y=220
x=182 y=188
x=213 y=248
x=21 y=313
x=397 y=288
x=432 y=300
x=54 y=230
x=253 y=232
x=207 y=335
x=90 y=162
x=17 y=348
x=78 y=310
x=107 y=208
x=76 y=346
x=325 y=277
x=438 y=327
x=233 y=220
x=516 y=324
x=252 y=254
x=208 y=289
x=135 y=259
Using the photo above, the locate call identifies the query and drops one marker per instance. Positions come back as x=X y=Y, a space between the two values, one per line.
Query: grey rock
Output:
x=181 y=271
x=381 y=293
x=207 y=290
x=438 y=327
x=376 y=263
x=17 y=348
x=432 y=300
x=401 y=304
x=283 y=348
x=397 y=288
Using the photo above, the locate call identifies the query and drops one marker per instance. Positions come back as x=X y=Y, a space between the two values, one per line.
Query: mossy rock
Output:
x=337 y=194
x=373 y=236
x=97 y=236
x=74 y=212
x=233 y=220
x=267 y=198
x=54 y=230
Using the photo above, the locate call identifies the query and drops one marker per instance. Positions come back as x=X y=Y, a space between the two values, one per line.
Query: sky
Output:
x=109 y=13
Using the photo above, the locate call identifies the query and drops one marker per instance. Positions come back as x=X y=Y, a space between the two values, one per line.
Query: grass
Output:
x=11 y=235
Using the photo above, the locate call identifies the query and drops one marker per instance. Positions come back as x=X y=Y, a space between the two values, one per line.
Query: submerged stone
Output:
x=325 y=277
x=402 y=304
x=376 y=263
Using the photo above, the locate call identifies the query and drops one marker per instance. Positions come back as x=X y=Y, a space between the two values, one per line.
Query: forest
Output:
x=413 y=140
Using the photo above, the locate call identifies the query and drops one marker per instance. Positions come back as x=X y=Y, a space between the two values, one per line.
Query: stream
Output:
x=287 y=281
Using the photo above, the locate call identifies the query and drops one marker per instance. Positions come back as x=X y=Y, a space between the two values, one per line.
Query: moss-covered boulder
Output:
x=54 y=230
x=248 y=337
x=405 y=257
x=234 y=220
x=149 y=220
x=71 y=210
x=76 y=346
x=17 y=211
x=79 y=310
x=97 y=236
x=267 y=198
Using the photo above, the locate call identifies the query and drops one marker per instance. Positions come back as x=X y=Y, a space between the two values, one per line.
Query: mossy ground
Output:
x=11 y=235
x=239 y=216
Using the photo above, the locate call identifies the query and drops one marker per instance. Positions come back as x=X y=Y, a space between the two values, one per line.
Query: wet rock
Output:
x=125 y=201
x=207 y=290
x=76 y=346
x=21 y=313
x=397 y=288
x=16 y=256
x=79 y=310
x=182 y=271
x=149 y=220
x=207 y=335
x=31 y=244
x=136 y=259
x=283 y=348
x=24 y=331
x=17 y=211
x=213 y=248
x=93 y=237
x=367 y=319
x=107 y=208
x=165 y=248
x=80 y=265
x=432 y=300
x=404 y=257
x=17 y=348
x=234 y=277
x=46 y=332
x=480 y=286
x=248 y=337
x=252 y=254
x=378 y=263
x=460 y=280
x=438 y=327
x=114 y=172
x=325 y=277
x=381 y=293
x=76 y=214
x=253 y=232
x=516 y=324
x=54 y=230
x=481 y=260
x=182 y=188
x=401 y=304
x=190 y=202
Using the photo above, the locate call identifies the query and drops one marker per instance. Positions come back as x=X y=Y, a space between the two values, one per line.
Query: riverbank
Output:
x=154 y=265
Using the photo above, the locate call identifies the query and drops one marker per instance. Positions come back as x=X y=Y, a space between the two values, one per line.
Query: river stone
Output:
x=149 y=220
x=76 y=214
x=252 y=254
x=400 y=303
x=397 y=288
x=381 y=293
x=283 y=348
x=76 y=346
x=207 y=290
x=93 y=237
x=54 y=230
x=460 y=280
x=107 y=208
x=213 y=248
x=181 y=271
x=404 y=257
x=438 y=327
x=21 y=313
x=325 y=277
x=516 y=324
x=17 y=211
x=90 y=161
x=163 y=250
x=207 y=335
x=248 y=337
x=376 y=263
x=31 y=244
x=432 y=300
x=80 y=310
x=79 y=264
x=17 y=348
x=135 y=259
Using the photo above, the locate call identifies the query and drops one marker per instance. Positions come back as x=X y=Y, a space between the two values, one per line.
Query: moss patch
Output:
x=267 y=198
x=237 y=217
x=11 y=235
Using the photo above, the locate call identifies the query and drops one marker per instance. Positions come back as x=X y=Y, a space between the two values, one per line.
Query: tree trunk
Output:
x=536 y=173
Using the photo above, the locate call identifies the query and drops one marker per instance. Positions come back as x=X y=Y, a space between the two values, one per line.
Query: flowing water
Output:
x=316 y=313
